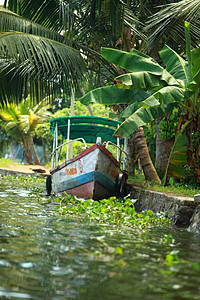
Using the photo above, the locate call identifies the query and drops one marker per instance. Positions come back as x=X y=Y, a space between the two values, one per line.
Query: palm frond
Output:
x=44 y=12
x=110 y=17
x=56 y=15
x=26 y=56
x=10 y=21
x=168 y=23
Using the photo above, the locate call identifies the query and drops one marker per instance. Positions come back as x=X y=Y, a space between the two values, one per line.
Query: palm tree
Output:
x=41 y=43
x=167 y=25
x=20 y=121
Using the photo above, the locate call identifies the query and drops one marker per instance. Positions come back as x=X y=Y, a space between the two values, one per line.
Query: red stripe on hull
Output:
x=83 y=191
x=90 y=190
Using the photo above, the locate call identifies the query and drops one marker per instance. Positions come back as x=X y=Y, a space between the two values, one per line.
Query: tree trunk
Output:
x=145 y=159
x=131 y=151
x=35 y=155
x=28 y=156
x=163 y=149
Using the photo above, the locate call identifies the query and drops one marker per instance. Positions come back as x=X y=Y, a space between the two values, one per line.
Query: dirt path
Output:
x=30 y=169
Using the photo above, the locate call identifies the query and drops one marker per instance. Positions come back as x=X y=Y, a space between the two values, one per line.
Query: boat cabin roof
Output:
x=88 y=128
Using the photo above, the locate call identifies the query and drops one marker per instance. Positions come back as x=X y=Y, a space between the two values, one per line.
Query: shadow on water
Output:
x=43 y=256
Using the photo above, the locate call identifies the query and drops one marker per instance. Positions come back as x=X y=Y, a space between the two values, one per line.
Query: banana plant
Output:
x=175 y=85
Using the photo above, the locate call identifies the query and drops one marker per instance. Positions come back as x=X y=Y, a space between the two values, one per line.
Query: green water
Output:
x=43 y=256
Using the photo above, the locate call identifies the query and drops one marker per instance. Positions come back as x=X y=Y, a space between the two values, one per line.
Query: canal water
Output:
x=45 y=256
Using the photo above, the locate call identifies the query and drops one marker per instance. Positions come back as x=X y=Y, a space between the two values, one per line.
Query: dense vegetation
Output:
x=61 y=59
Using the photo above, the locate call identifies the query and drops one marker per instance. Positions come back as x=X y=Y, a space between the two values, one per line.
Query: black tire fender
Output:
x=48 y=185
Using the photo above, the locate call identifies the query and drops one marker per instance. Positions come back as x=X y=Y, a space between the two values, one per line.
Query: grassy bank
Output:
x=174 y=188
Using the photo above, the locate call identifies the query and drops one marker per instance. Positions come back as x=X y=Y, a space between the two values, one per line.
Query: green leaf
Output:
x=42 y=62
x=178 y=156
x=140 y=80
x=195 y=56
x=133 y=61
x=188 y=49
x=130 y=110
x=167 y=97
x=112 y=95
x=175 y=64
x=10 y=21
x=141 y=117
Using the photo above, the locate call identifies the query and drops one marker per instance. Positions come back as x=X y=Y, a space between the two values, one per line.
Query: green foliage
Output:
x=178 y=157
x=168 y=125
x=163 y=88
x=81 y=110
x=110 y=211
x=42 y=131
x=196 y=145
x=27 y=181
x=20 y=121
x=5 y=162
x=189 y=178
x=177 y=189
x=196 y=140
x=150 y=136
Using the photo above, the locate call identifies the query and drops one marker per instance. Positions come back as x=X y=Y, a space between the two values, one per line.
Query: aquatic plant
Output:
x=111 y=211
x=173 y=262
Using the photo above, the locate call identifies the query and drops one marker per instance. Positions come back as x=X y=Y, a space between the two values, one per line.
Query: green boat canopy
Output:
x=88 y=128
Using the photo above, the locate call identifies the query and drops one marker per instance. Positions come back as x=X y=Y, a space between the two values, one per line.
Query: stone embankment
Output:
x=182 y=211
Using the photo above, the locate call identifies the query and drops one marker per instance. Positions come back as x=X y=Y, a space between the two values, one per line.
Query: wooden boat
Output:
x=94 y=173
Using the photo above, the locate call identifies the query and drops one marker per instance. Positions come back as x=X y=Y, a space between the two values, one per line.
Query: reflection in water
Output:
x=47 y=257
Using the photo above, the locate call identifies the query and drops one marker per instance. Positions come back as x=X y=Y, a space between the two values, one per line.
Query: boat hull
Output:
x=91 y=174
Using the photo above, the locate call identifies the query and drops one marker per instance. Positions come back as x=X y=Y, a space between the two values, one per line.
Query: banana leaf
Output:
x=178 y=157
x=145 y=114
x=110 y=95
x=133 y=61
x=175 y=65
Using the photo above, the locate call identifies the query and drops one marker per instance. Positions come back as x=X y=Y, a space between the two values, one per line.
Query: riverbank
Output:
x=36 y=170
x=184 y=211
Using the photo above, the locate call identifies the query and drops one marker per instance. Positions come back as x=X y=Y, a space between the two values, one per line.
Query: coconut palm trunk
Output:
x=35 y=155
x=145 y=159
x=131 y=151
x=28 y=155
